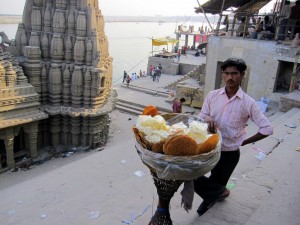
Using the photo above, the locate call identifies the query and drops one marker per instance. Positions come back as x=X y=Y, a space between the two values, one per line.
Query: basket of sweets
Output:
x=176 y=146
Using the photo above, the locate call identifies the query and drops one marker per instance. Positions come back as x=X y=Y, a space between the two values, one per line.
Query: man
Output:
x=284 y=18
x=177 y=105
x=241 y=28
x=228 y=110
x=294 y=17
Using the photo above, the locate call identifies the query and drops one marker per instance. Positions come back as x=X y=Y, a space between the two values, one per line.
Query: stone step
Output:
x=147 y=91
x=276 y=119
x=135 y=108
x=128 y=110
x=130 y=106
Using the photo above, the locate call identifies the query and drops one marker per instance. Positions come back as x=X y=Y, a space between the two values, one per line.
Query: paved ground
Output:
x=110 y=186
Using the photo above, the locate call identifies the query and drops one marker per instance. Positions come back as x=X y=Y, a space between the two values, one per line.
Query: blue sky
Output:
x=124 y=8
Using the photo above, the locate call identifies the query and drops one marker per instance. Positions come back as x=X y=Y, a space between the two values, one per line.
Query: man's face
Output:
x=232 y=77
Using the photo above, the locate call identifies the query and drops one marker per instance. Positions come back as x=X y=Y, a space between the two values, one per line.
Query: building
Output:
x=62 y=50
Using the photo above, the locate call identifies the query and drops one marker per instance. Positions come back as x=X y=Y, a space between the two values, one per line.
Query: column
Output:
x=186 y=40
x=33 y=131
x=75 y=131
x=194 y=41
x=9 y=147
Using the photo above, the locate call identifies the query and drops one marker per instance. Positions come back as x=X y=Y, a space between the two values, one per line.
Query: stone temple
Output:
x=55 y=81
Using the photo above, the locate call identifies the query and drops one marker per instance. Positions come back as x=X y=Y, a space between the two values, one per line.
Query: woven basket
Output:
x=170 y=167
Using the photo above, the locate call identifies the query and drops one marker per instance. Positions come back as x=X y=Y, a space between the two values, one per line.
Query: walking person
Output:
x=178 y=55
x=151 y=69
x=228 y=109
x=153 y=75
x=124 y=76
x=128 y=80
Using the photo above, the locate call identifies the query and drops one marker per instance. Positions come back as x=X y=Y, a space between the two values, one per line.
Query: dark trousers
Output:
x=210 y=188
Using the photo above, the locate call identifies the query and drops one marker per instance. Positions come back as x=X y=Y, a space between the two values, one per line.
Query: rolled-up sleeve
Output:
x=261 y=120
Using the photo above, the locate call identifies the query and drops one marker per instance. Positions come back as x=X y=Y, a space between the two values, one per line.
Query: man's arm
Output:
x=256 y=137
x=265 y=128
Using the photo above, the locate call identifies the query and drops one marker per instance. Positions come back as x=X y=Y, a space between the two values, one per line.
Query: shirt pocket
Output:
x=234 y=120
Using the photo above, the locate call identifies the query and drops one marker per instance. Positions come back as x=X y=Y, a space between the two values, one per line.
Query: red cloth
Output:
x=197 y=38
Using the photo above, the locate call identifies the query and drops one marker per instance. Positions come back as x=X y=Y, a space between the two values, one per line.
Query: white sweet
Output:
x=198 y=131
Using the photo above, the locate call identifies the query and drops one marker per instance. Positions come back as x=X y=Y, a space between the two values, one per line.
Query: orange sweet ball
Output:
x=150 y=110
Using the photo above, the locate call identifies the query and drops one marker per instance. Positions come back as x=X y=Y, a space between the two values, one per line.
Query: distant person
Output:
x=124 y=77
x=177 y=105
x=160 y=66
x=294 y=17
x=158 y=73
x=241 y=28
x=258 y=27
x=151 y=69
x=141 y=73
x=267 y=24
x=128 y=80
x=284 y=19
x=153 y=74
x=178 y=55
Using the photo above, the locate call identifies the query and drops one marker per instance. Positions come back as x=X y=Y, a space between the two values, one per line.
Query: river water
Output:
x=129 y=43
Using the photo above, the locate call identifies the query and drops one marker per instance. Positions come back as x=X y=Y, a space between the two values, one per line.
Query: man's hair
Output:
x=238 y=63
x=182 y=100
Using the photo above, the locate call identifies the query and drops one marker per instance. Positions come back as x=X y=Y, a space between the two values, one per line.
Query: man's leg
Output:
x=293 y=26
x=213 y=188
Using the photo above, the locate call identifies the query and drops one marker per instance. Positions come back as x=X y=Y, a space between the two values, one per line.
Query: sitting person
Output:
x=267 y=24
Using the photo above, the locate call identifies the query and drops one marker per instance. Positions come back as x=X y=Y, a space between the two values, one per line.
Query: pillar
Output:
x=194 y=41
x=9 y=147
x=75 y=131
x=32 y=135
x=186 y=40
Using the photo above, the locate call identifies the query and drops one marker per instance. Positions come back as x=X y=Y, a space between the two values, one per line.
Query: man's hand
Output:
x=212 y=126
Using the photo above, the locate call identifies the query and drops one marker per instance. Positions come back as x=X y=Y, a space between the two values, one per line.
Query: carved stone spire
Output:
x=36 y=19
x=66 y=86
x=10 y=75
x=21 y=79
x=55 y=85
x=2 y=76
x=77 y=87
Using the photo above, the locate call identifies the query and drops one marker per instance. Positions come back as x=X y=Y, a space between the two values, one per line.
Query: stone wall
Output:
x=260 y=56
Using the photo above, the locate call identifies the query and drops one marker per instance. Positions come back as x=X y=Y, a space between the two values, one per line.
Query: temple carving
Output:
x=55 y=80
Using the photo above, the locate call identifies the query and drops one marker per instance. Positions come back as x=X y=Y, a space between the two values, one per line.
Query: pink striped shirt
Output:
x=231 y=116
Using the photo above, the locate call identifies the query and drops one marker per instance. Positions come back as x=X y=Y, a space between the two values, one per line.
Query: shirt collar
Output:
x=239 y=93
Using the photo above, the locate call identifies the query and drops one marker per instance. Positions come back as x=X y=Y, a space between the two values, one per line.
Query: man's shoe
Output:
x=224 y=195
x=205 y=205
